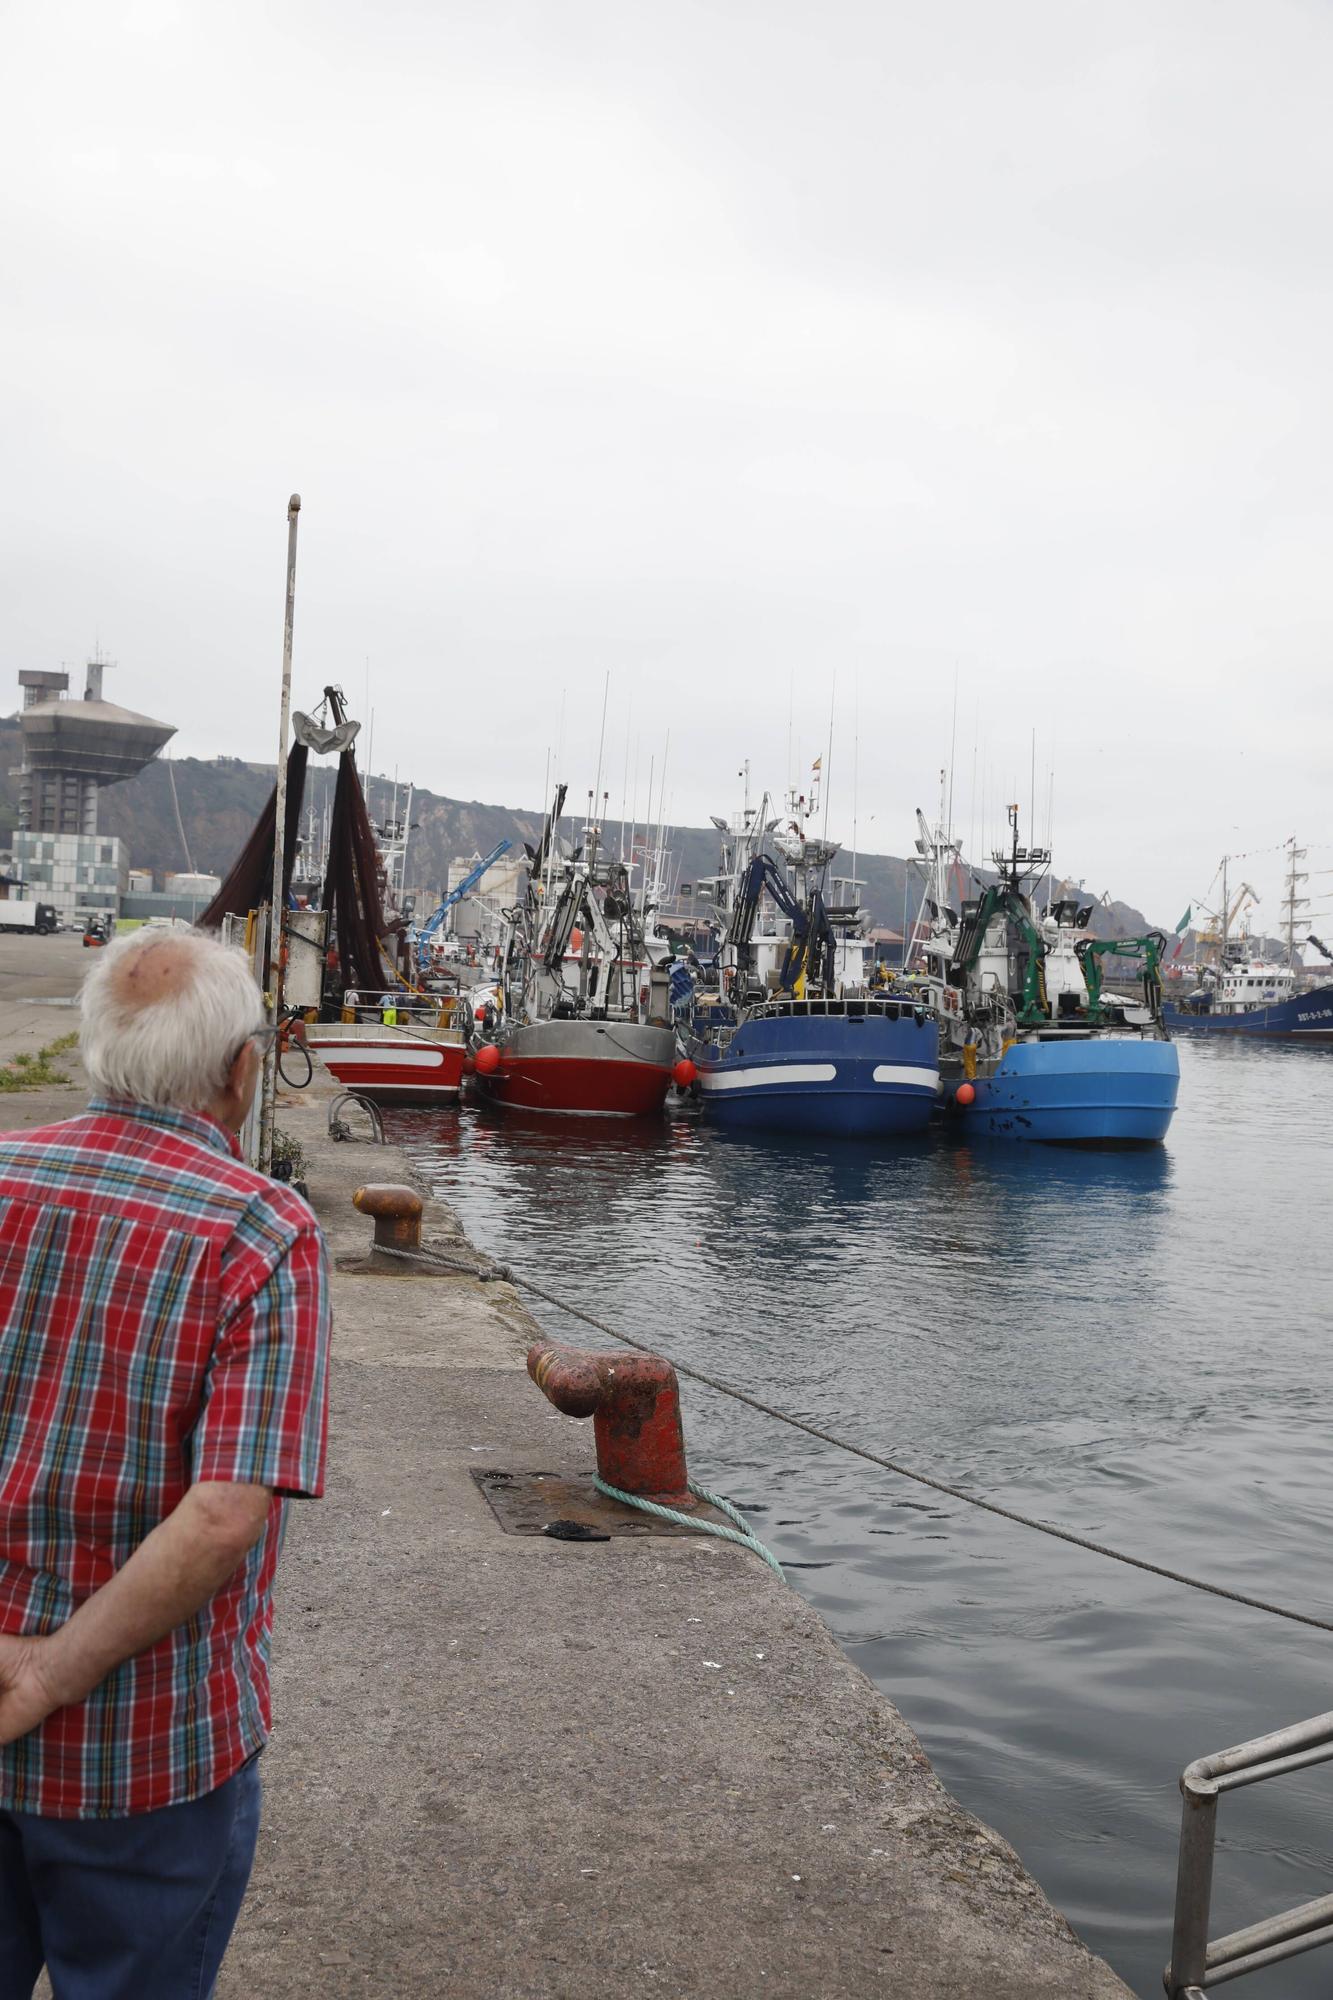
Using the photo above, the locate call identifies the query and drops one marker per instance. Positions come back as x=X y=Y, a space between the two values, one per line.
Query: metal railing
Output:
x=857 y=1009
x=1196 y=1965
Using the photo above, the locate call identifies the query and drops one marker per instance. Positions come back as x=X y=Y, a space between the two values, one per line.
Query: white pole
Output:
x=274 y=995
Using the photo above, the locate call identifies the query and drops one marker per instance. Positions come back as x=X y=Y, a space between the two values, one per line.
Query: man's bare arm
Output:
x=172 y=1574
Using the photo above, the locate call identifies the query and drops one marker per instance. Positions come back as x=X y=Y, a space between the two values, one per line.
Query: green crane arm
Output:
x=1150 y=948
x=1000 y=900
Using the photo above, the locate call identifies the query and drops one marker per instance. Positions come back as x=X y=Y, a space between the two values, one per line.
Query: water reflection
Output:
x=1129 y=1343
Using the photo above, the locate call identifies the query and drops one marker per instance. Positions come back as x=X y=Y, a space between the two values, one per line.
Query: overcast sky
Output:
x=735 y=349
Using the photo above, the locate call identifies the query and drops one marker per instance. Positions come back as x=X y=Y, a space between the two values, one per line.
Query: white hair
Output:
x=172 y=1037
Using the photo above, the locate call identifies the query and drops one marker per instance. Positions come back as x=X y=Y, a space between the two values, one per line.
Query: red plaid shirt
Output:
x=164 y=1319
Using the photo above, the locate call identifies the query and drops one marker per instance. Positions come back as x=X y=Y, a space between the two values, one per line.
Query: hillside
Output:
x=220 y=800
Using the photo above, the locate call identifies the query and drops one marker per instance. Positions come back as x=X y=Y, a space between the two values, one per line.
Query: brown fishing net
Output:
x=352 y=884
x=352 y=887
x=250 y=882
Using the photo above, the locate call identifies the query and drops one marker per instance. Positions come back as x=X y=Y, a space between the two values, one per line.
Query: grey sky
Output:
x=726 y=347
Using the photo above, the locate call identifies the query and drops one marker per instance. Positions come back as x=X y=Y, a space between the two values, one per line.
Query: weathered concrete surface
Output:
x=507 y=1767
x=38 y=979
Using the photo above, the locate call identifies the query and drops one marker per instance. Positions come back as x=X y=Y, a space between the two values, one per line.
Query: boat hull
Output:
x=582 y=1069
x=1104 y=1091
x=858 y=1073
x=387 y=1065
x=1306 y=1017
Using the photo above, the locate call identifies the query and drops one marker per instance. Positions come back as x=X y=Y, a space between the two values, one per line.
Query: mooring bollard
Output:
x=396 y=1212
x=634 y=1402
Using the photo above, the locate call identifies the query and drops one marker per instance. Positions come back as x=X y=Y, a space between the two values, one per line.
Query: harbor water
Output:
x=1132 y=1345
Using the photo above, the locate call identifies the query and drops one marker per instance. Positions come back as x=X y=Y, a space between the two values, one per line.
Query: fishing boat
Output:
x=780 y=1041
x=1033 y=1046
x=347 y=962
x=1247 y=996
x=393 y=1047
x=1239 y=990
x=580 y=1023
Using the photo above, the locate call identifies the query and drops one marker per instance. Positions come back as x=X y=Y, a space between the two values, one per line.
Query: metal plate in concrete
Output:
x=536 y=1503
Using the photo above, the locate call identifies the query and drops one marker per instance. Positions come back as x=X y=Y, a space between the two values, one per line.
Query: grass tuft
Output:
x=31 y=1072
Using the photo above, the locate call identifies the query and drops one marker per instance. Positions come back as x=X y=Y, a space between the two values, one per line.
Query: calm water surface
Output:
x=1134 y=1345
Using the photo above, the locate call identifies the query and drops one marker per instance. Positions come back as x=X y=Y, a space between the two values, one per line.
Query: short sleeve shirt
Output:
x=164 y=1319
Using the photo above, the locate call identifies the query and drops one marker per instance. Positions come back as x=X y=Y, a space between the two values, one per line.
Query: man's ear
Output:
x=238 y=1076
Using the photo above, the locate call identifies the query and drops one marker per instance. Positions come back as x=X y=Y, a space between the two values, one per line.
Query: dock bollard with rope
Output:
x=634 y=1402
x=395 y=1211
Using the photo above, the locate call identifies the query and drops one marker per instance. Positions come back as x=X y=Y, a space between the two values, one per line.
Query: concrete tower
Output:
x=72 y=748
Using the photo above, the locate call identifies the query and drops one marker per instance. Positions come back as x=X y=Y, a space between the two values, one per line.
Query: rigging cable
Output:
x=506 y=1273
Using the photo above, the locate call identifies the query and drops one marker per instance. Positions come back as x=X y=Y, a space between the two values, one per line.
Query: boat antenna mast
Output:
x=1020 y=862
x=938 y=851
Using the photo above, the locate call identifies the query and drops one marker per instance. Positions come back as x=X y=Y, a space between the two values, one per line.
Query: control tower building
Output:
x=70 y=750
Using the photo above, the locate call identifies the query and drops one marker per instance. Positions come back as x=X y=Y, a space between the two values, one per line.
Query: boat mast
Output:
x=1226 y=915
x=273 y=997
x=1293 y=901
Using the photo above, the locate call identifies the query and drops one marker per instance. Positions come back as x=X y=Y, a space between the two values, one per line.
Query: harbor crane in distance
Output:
x=455 y=896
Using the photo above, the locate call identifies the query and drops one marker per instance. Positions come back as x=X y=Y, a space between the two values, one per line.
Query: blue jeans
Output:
x=139 y=1908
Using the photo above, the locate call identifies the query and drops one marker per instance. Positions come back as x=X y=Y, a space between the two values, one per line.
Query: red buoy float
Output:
x=488 y=1059
x=965 y=1095
x=684 y=1074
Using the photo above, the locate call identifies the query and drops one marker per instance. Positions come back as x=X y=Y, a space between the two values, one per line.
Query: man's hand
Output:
x=27 y=1694
x=172 y=1574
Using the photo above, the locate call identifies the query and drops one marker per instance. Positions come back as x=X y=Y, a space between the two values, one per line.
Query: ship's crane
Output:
x=1004 y=899
x=811 y=955
x=1149 y=948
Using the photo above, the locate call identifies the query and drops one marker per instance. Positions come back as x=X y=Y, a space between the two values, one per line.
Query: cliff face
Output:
x=220 y=799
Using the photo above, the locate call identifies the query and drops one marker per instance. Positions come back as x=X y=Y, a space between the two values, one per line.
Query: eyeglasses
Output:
x=263 y=1037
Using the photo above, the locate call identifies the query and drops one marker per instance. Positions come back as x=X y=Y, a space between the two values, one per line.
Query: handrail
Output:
x=1197 y=1965
x=856 y=1006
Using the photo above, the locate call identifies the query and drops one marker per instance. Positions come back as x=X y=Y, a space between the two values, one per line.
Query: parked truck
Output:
x=20 y=914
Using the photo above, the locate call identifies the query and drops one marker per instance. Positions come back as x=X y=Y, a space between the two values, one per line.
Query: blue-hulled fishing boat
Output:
x=790 y=1035
x=1032 y=1046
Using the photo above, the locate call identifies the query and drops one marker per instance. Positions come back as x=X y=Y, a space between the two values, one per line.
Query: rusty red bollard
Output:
x=634 y=1403
x=396 y=1212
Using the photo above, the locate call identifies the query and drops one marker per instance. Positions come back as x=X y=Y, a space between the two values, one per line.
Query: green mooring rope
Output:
x=742 y=1532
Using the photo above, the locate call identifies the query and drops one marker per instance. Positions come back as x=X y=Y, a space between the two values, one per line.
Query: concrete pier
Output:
x=506 y=1766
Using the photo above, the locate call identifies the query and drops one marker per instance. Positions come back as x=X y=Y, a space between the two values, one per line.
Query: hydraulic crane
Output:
x=1150 y=948
x=1003 y=899
x=810 y=957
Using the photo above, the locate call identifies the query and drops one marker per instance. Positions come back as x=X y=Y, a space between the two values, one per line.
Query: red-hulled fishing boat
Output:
x=580 y=1025
x=585 y=1069
x=415 y=1058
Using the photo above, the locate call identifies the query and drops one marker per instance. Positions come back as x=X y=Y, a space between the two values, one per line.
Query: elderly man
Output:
x=163 y=1344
